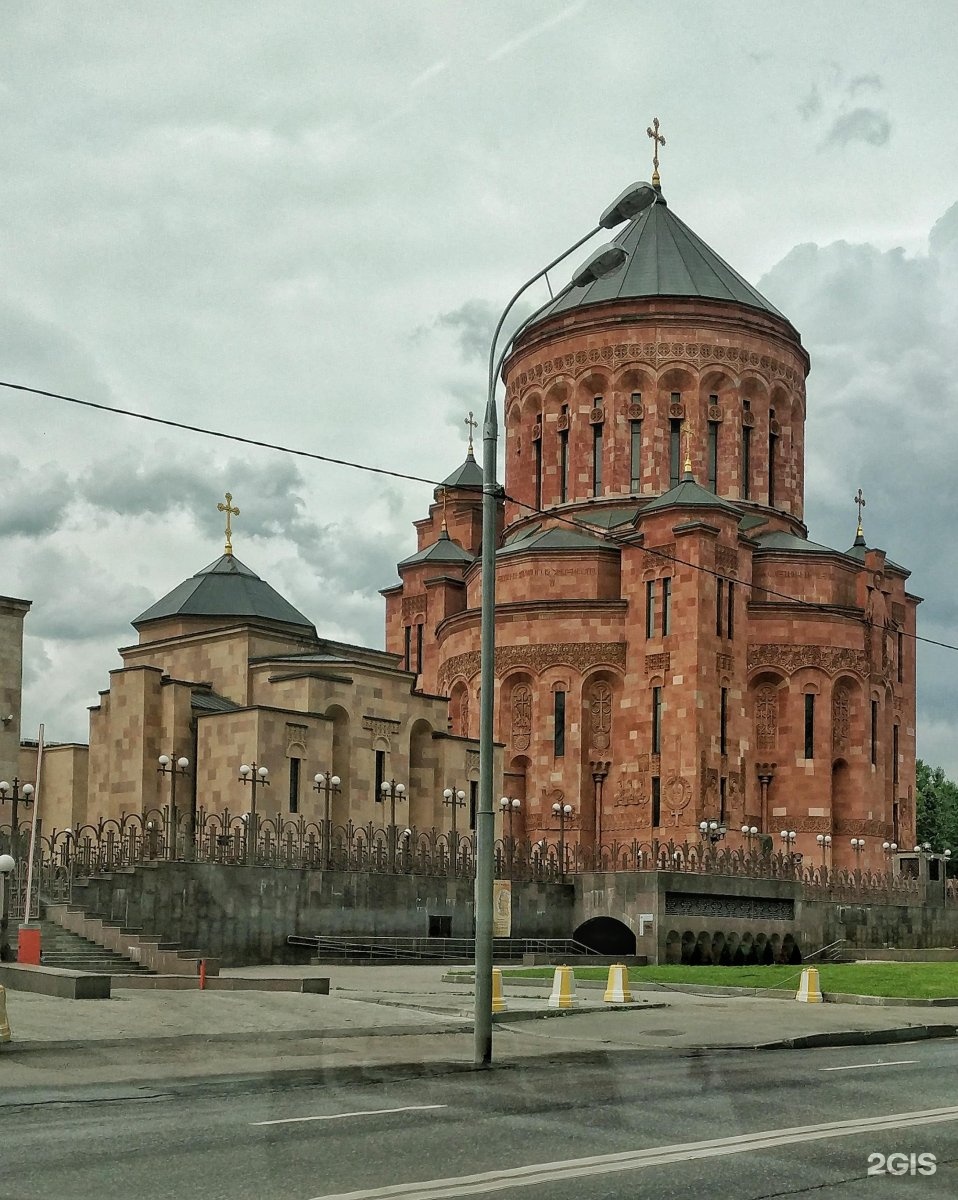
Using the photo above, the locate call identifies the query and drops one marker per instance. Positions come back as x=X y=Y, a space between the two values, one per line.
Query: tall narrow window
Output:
x=564 y=459
x=419 y=649
x=407 y=636
x=746 y=455
x=666 y=606
x=901 y=657
x=809 y=725
x=650 y=608
x=894 y=758
x=596 y=460
x=772 y=439
x=713 y=450
x=719 y=605
x=656 y=720
x=675 y=453
x=874 y=739
x=294 y=764
x=723 y=721
x=730 y=611
x=473 y=801
x=537 y=453
x=635 y=456
x=380 y=775
x=723 y=794
x=656 y=801
x=559 y=723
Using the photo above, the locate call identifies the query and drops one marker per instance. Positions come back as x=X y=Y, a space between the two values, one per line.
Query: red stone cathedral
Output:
x=671 y=646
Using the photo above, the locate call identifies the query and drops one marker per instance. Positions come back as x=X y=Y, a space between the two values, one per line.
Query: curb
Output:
x=861 y=1037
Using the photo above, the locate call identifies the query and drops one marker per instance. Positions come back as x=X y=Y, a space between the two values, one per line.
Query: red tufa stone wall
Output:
x=576 y=622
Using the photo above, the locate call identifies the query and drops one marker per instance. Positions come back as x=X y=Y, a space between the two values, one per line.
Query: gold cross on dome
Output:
x=472 y=423
x=860 y=501
x=230 y=512
x=658 y=139
x=688 y=447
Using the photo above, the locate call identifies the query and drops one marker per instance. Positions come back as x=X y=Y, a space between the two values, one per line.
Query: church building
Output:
x=671 y=647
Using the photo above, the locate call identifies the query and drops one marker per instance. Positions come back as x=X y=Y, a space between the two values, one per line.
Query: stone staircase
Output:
x=61 y=948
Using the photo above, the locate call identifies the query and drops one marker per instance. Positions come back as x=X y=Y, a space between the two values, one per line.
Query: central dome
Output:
x=665 y=258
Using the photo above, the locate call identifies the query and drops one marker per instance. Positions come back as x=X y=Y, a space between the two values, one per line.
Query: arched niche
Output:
x=606 y=935
x=341 y=765
x=459 y=708
x=767 y=702
x=424 y=788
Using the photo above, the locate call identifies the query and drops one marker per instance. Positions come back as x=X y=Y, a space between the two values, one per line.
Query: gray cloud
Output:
x=869 y=125
x=864 y=83
x=883 y=413
x=811 y=105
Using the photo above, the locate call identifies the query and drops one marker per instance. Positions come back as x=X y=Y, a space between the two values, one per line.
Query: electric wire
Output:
x=188 y=427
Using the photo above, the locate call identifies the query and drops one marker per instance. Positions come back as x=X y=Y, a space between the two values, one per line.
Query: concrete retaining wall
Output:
x=243 y=915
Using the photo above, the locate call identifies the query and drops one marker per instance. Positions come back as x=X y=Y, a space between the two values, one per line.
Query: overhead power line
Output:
x=358 y=466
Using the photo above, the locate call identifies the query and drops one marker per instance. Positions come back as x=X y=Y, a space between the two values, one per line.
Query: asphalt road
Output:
x=650 y=1124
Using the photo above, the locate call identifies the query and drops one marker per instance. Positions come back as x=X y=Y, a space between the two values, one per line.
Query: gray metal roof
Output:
x=688 y=494
x=665 y=258
x=557 y=538
x=226 y=588
x=469 y=475
x=444 y=549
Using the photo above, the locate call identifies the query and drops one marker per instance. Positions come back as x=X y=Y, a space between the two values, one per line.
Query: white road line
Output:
x=369 y=1112
x=632 y=1160
x=901 y=1062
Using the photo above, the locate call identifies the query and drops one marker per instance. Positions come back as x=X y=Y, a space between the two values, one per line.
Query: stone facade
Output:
x=678 y=650
x=223 y=692
x=12 y=612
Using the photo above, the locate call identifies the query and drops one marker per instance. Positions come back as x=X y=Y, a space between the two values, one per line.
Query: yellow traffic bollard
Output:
x=617 y=990
x=809 y=991
x=5 y=1034
x=563 y=989
x=498 y=1001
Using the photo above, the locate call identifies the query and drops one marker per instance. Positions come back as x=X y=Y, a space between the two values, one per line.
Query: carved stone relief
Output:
x=413 y=606
x=381 y=726
x=521 y=716
x=600 y=716
x=536 y=658
x=841 y=703
x=678 y=793
x=794 y=658
x=766 y=717
x=655 y=663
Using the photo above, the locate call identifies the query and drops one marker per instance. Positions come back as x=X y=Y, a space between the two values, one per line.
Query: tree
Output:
x=936 y=807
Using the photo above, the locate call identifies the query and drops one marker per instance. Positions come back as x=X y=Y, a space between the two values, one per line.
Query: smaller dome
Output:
x=444 y=549
x=226 y=588
x=468 y=475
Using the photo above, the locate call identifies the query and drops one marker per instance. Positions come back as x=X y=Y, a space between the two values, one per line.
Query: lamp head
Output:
x=182 y=763
x=503 y=801
x=245 y=770
x=27 y=790
x=6 y=864
x=400 y=789
x=262 y=772
x=164 y=760
x=517 y=804
x=599 y=265
x=557 y=808
x=335 y=781
x=629 y=203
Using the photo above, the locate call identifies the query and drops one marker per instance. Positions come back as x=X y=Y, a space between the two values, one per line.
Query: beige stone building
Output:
x=226 y=672
x=12 y=612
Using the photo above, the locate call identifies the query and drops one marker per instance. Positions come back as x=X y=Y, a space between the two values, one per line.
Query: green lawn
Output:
x=916 y=980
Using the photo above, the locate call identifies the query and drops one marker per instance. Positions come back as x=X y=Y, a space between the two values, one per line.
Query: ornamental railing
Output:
x=232 y=839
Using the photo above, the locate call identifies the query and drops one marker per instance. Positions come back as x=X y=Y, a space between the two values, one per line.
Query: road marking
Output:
x=901 y=1062
x=632 y=1160
x=369 y=1112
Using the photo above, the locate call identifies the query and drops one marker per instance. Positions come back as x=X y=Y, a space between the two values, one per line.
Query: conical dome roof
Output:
x=226 y=588
x=665 y=258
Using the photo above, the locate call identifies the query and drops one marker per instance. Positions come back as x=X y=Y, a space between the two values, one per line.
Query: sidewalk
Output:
x=394 y=1016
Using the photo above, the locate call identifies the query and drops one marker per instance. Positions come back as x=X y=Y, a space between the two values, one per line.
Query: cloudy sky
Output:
x=297 y=221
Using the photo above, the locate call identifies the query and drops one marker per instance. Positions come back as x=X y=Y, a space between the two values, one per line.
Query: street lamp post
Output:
x=454 y=798
x=563 y=812
x=749 y=832
x=510 y=805
x=395 y=791
x=173 y=768
x=627 y=205
x=7 y=865
x=788 y=837
x=256 y=777
x=713 y=830
x=858 y=846
x=15 y=792
x=824 y=844
x=326 y=783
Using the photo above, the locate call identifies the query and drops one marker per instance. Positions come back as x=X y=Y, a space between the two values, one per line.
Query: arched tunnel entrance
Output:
x=606 y=936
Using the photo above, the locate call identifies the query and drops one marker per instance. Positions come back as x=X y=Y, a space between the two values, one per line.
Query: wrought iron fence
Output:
x=231 y=839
